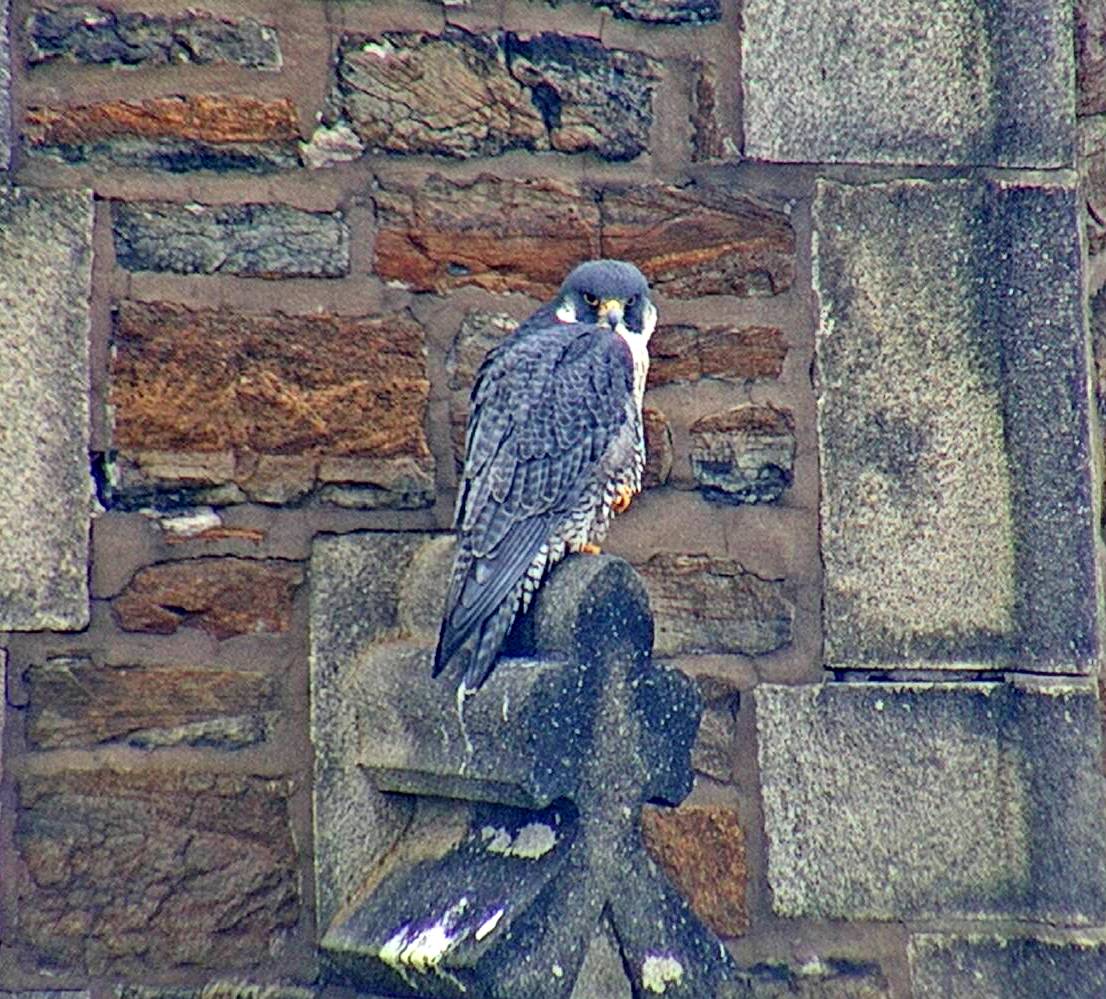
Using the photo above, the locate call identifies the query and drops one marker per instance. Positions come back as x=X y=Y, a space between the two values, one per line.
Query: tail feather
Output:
x=492 y=635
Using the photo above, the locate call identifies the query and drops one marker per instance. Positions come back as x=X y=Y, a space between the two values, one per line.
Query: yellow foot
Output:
x=587 y=549
x=622 y=499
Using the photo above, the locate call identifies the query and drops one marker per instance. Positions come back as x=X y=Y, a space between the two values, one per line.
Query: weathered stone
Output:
x=224 y=596
x=702 y=603
x=200 y=132
x=602 y=973
x=88 y=34
x=219 y=989
x=1092 y=175
x=688 y=353
x=912 y=801
x=698 y=239
x=664 y=11
x=45 y=994
x=875 y=82
x=478 y=333
x=330 y=145
x=448 y=94
x=702 y=849
x=832 y=979
x=144 y=871
x=45 y=289
x=1090 y=57
x=286 y=396
x=5 y=87
x=709 y=140
x=74 y=703
x=251 y=240
x=715 y=749
x=978 y=966
x=744 y=455
x=1098 y=346
x=591 y=98
x=658 y=448
x=952 y=347
x=498 y=234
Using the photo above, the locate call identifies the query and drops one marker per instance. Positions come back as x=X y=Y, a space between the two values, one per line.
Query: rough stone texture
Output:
x=703 y=603
x=978 y=966
x=291 y=400
x=1092 y=176
x=702 y=849
x=526 y=235
x=664 y=11
x=178 y=134
x=93 y=35
x=1098 y=344
x=602 y=973
x=911 y=801
x=961 y=83
x=1090 y=57
x=709 y=140
x=46 y=994
x=45 y=288
x=74 y=703
x=833 y=979
x=219 y=989
x=715 y=751
x=951 y=349
x=687 y=353
x=477 y=334
x=5 y=86
x=223 y=596
x=658 y=448
x=251 y=240
x=699 y=239
x=743 y=455
x=132 y=872
x=498 y=234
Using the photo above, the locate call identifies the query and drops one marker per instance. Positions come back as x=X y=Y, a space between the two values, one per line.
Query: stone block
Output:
x=177 y=134
x=46 y=994
x=221 y=595
x=745 y=454
x=901 y=801
x=702 y=850
x=45 y=289
x=818 y=979
x=250 y=240
x=715 y=750
x=978 y=966
x=710 y=140
x=290 y=401
x=133 y=872
x=959 y=82
x=951 y=355
x=75 y=703
x=1090 y=57
x=682 y=353
x=703 y=603
x=88 y=34
x=233 y=988
x=1092 y=176
x=5 y=86
x=664 y=11
x=658 y=448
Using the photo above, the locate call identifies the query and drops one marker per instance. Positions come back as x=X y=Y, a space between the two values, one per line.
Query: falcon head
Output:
x=611 y=293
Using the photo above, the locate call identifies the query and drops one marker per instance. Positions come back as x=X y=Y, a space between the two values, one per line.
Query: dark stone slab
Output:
x=251 y=240
x=951 y=361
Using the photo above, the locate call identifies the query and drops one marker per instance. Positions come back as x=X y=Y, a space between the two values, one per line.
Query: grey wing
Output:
x=545 y=408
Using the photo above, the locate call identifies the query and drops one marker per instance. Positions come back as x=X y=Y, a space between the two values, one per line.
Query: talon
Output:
x=622 y=499
x=587 y=549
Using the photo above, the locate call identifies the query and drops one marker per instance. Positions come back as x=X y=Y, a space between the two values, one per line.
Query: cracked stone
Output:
x=744 y=455
x=250 y=240
x=223 y=596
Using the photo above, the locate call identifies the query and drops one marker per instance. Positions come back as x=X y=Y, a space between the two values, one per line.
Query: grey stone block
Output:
x=992 y=967
x=894 y=81
x=45 y=279
x=251 y=240
x=953 y=416
x=905 y=801
x=5 y=86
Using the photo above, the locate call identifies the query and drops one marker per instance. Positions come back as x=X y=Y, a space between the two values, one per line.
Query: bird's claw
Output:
x=622 y=499
x=587 y=548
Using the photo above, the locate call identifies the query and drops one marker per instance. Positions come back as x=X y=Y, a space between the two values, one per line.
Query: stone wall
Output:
x=251 y=255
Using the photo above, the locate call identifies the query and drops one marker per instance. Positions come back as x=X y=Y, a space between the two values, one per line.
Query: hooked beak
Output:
x=610 y=312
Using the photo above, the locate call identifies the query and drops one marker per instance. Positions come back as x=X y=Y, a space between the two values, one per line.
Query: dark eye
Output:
x=591 y=300
x=631 y=301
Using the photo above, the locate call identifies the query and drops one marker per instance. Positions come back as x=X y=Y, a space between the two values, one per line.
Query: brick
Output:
x=250 y=240
x=704 y=604
x=745 y=454
x=967 y=84
x=93 y=35
x=1090 y=57
x=702 y=850
x=45 y=289
x=288 y=397
x=683 y=353
x=502 y=235
x=952 y=346
x=132 y=872
x=900 y=801
x=223 y=596
x=177 y=134
x=664 y=11
x=984 y=966
x=698 y=239
x=74 y=703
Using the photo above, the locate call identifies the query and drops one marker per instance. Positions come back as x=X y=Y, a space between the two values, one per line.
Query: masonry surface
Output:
x=252 y=255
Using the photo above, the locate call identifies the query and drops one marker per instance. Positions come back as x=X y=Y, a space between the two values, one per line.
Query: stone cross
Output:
x=560 y=750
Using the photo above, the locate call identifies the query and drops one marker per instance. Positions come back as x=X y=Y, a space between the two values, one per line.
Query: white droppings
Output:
x=488 y=925
x=423 y=947
x=187 y=525
x=531 y=842
x=382 y=50
x=659 y=971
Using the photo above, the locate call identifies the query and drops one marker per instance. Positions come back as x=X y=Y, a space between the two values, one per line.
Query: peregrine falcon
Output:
x=554 y=446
